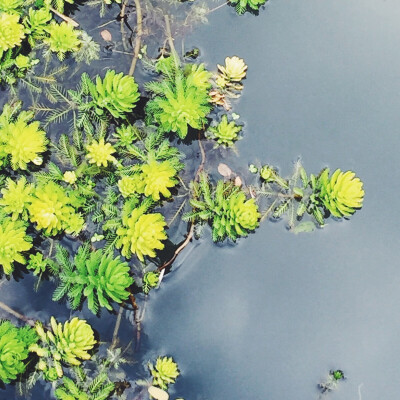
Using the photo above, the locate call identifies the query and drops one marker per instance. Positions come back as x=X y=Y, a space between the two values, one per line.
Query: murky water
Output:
x=269 y=317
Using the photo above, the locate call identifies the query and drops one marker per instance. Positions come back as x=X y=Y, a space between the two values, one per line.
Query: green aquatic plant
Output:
x=116 y=93
x=14 y=344
x=179 y=100
x=59 y=5
x=241 y=6
x=11 y=32
x=69 y=177
x=225 y=133
x=99 y=388
x=10 y=5
x=37 y=263
x=62 y=39
x=225 y=207
x=69 y=343
x=164 y=372
x=233 y=71
x=150 y=281
x=21 y=141
x=100 y=153
x=13 y=242
x=141 y=233
x=332 y=381
x=36 y=23
x=99 y=277
x=341 y=194
x=130 y=185
x=53 y=209
x=157 y=178
x=16 y=198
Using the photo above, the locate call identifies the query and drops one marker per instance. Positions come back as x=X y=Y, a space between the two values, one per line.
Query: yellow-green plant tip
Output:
x=225 y=133
x=158 y=177
x=69 y=177
x=16 y=198
x=141 y=234
x=342 y=193
x=116 y=93
x=13 y=242
x=100 y=153
x=234 y=69
x=24 y=142
x=165 y=372
x=11 y=32
x=129 y=185
x=63 y=38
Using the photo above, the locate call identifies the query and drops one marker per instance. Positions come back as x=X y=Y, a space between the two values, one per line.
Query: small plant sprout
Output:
x=332 y=381
x=164 y=372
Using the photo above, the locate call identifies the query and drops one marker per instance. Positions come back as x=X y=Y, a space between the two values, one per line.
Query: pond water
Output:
x=268 y=317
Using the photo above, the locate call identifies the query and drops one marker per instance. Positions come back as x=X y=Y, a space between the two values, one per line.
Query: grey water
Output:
x=268 y=317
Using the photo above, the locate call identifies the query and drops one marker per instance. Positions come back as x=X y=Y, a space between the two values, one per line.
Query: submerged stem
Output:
x=139 y=33
x=16 y=314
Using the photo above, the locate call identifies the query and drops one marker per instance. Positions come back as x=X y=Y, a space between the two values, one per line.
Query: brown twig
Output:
x=138 y=40
x=122 y=22
x=169 y=34
x=191 y=229
x=117 y=325
x=16 y=314
x=64 y=17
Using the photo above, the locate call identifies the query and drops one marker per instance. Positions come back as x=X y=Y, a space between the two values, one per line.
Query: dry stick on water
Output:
x=122 y=18
x=117 y=325
x=64 y=17
x=138 y=40
x=16 y=314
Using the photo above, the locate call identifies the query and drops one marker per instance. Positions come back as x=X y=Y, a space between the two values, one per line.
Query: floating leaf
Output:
x=224 y=170
x=106 y=35
x=158 y=393
x=238 y=181
x=306 y=226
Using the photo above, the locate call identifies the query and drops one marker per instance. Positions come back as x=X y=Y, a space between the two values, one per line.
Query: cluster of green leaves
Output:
x=181 y=99
x=319 y=196
x=14 y=344
x=164 y=372
x=25 y=24
x=226 y=208
x=241 y=6
x=69 y=343
x=99 y=277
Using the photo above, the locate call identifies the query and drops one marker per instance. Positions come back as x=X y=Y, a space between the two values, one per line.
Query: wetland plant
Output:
x=164 y=372
x=180 y=100
x=14 y=344
x=225 y=133
x=69 y=343
x=331 y=383
x=99 y=277
x=241 y=6
x=225 y=207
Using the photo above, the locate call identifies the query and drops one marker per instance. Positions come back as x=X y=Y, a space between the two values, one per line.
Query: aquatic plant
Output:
x=141 y=233
x=36 y=23
x=99 y=277
x=332 y=381
x=157 y=178
x=59 y=4
x=179 y=100
x=129 y=185
x=150 y=281
x=62 y=39
x=116 y=93
x=341 y=193
x=99 y=388
x=234 y=70
x=14 y=344
x=243 y=5
x=69 y=343
x=16 y=198
x=11 y=32
x=164 y=372
x=225 y=207
x=37 y=263
x=100 y=153
x=53 y=209
x=20 y=140
x=13 y=242
x=225 y=133
x=10 y=5
x=69 y=177
x=197 y=75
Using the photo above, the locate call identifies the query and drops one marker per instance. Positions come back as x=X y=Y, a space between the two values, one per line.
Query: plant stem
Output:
x=122 y=22
x=191 y=229
x=169 y=34
x=117 y=325
x=16 y=314
x=139 y=33
x=64 y=17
